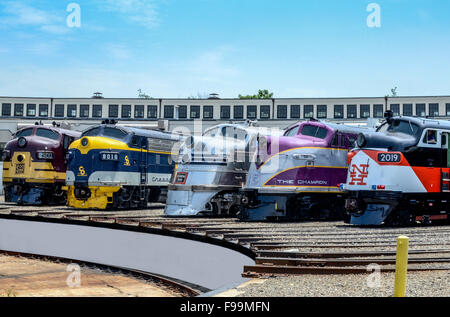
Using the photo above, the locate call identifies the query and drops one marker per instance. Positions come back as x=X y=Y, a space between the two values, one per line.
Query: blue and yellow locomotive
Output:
x=112 y=167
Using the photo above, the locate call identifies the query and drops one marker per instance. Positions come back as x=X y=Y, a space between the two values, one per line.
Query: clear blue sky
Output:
x=179 y=48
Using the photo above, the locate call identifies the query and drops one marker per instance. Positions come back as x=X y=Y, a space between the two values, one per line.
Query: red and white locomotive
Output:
x=401 y=173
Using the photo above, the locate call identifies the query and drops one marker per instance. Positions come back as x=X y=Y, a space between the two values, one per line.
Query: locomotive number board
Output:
x=107 y=156
x=389 y=158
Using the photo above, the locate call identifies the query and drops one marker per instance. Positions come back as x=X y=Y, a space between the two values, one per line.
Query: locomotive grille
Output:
x=160 y=145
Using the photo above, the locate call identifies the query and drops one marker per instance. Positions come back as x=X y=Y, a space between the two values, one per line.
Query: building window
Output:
x=113 y=111
x=407 y=109
x=126 y=111
x=238 y=112
x=18 y=110
x=339 y=111
x=71 y=111
x=84 y=111
x=59 y=111
x=264 y=112
x=351 y=112
x=420 y=110
x=295 y=111
x=43 y=110
x=252 y=112
x=31 y=110
x=152 y=112
x=364 y=111
x=168 y=112
x=378 y=111
x=308 y=111
x=322 y=111
x=395 y=108
x=208 y=112
x=139 y=111
x=225 y=112
x=282 y=112
x=182 y=112
x=6 y=110
x=97 y=111
x=447 y=109
x=434 y=109
x=195 y=112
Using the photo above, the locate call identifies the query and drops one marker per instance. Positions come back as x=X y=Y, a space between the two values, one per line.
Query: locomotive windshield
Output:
x=25 y=132
x=92 y=132
x=114 y=133
x=107 y=132
x=48 y=134
x=316 y=132
x=400 y=126
x=292 y=132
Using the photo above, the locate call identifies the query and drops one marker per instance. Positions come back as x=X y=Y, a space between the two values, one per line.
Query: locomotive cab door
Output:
x=143 y=166
x=445 y=174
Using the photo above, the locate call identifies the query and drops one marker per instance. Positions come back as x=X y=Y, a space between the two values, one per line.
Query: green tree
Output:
x=394 y=92
x=143 y=95
x=262 y=94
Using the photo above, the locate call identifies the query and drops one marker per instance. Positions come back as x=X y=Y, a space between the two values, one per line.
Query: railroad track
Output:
x=284 y=248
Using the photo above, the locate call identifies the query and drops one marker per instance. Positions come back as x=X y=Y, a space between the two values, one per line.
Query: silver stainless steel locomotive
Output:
x=211 y=170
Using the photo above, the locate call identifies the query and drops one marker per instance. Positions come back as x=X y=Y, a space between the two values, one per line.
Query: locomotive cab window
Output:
x=430 y=137
x=48 y=134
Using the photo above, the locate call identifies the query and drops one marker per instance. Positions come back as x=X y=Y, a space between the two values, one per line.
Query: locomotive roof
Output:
x=143 y=132
x=425 y=123
x=248 y=127
x=335 y=126
x=75 y=134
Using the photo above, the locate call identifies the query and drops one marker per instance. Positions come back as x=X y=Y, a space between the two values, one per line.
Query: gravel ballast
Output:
x=419 y=284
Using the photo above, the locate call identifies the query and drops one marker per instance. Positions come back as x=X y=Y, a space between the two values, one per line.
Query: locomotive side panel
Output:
x=118 y=168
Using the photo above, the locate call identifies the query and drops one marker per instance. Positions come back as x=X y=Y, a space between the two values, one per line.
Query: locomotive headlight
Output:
x=109 y=156
x=361 y=141
x=45 y=155
x=186 y=158
x=84 y=142
x=22 y=142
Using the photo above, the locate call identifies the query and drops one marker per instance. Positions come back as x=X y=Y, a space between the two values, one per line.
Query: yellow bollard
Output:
x=401 y=268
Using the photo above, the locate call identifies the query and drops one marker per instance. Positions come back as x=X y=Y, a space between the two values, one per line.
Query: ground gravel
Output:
x=419 y=284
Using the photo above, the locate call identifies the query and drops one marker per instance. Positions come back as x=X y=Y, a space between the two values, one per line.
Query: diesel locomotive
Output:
x=34 y=165
x=297 y=176
x=114 y=167
x=211 y=170
x=401 y=174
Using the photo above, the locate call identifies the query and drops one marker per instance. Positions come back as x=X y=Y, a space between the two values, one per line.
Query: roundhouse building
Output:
x=177 y=113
